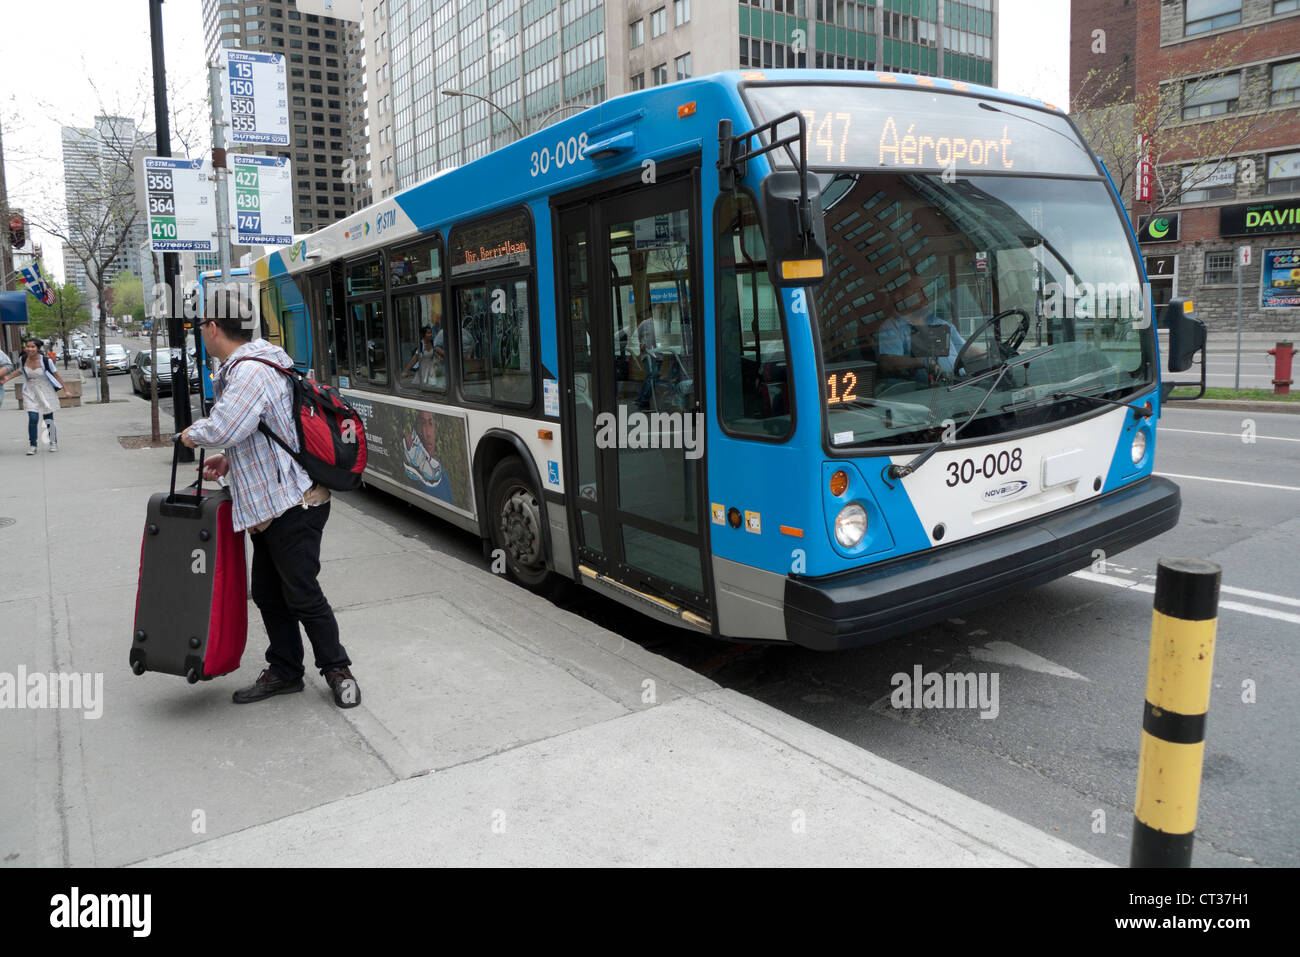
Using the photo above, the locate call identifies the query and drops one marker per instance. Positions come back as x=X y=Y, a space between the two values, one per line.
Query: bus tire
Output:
x=515 y=526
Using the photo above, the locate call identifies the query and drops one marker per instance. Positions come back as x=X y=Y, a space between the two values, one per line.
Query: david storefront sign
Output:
x=1258 y=219
x=1280 y=283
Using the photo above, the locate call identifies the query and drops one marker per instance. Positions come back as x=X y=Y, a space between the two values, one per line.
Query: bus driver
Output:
x=915 y=344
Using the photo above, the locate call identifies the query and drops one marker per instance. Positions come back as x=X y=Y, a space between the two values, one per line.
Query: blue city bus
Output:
x=804 y=356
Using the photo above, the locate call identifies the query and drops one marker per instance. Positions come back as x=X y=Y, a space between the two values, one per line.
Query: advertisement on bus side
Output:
x=426 y=451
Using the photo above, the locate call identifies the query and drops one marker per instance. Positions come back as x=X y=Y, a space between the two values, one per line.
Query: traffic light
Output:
x=17 y=230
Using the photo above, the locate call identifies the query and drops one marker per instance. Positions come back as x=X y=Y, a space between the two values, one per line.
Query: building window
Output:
x=1211 y=96
x=1207 y=182
x=1286 y=82
x=1203 y=15
x=637 y=82
x=1285 y=6
x=1218 y=269
x=659 y=22
x=635 y=34
x=659 y=75
x=683 y=66
x=1284 y=173
x=682 y=11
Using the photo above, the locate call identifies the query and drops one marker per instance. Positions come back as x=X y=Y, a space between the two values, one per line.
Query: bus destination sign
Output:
x=860 y=127
x=493 y=244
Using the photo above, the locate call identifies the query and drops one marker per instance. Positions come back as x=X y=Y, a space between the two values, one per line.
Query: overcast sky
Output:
x=71 y=44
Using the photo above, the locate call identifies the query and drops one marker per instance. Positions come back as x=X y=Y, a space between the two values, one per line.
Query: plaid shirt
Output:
x=265 y=481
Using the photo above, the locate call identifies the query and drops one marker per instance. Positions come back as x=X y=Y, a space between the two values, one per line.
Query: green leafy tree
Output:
x=68 y=311
x=127 y=294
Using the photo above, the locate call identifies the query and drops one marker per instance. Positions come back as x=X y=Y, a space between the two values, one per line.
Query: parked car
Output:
x=142 y=372
x=116 y=360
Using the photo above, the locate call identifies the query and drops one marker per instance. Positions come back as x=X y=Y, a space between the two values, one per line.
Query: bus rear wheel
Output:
x=516 y=526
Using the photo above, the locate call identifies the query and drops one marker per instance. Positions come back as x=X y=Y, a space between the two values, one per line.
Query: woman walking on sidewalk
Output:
x=40 y=380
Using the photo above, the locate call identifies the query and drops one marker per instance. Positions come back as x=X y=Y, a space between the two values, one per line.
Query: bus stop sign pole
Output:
x=222 y=197
x=163 y=142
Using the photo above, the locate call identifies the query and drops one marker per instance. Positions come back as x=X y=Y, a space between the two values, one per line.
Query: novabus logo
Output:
x=1005 y=490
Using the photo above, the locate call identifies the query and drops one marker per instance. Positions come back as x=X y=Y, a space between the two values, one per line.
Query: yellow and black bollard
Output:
x=1173 y=722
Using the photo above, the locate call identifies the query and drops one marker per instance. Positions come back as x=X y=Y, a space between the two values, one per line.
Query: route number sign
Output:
x=182 y=215
x=255 y=97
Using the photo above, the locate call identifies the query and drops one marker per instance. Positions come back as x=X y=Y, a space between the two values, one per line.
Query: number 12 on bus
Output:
x=785 y=356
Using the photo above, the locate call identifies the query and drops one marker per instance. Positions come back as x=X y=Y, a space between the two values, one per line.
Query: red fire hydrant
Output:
x=1284 y=353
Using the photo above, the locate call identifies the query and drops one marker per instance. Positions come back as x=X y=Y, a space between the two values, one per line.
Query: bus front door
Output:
x=634 y=451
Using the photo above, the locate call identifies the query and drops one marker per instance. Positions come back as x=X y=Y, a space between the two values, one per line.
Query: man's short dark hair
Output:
x=231 y=306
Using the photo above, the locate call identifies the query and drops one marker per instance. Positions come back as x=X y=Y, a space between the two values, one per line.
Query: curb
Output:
x=1234 y=405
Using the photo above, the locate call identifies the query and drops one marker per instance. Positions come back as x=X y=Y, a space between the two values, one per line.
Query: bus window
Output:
x=755 y=383
x=475 y=328
x=495 y=341
x=415 y=265
x=512 y=371
x=365 y=281
x=421 y=341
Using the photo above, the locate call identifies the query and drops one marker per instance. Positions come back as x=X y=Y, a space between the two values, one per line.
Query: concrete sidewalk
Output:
x=494 y=729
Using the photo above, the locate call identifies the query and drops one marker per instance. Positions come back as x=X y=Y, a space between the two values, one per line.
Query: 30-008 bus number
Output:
x=566 y=153
x=964 y=472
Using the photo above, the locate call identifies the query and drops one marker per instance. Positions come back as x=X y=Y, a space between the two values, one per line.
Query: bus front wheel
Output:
x=516 y=526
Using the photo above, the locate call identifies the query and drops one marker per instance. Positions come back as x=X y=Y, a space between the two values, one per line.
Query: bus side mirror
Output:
x=796 y=232
x=1186 y=334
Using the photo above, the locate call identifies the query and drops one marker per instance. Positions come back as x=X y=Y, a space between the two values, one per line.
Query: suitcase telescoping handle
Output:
x=197 y=486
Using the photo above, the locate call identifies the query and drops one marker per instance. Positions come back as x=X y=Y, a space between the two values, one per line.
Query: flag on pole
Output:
x=31 y=278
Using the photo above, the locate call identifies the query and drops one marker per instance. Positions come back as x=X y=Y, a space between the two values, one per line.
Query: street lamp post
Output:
x=558 y=110
x=519 y=132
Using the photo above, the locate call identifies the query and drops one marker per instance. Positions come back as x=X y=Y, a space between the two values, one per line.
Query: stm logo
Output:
x=386 y=221
x=1005 y=490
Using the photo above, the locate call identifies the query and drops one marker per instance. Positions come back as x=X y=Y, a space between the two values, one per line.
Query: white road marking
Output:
x=1187 y=409
x=1005 y=653
x=1261 y=595
x=1150 y=589
x=1206 y=478
x=1231 y=435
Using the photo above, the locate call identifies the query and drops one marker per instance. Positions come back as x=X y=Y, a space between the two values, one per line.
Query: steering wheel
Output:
x=1006 y=346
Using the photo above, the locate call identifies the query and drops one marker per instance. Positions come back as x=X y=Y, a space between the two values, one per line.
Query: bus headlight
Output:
x=851 y=525
x=1139 y=448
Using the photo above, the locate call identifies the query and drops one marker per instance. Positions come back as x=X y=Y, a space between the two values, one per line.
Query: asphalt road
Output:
x=1071 y=657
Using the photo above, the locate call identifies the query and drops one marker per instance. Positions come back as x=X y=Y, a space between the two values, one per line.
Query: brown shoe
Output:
x=347 y=694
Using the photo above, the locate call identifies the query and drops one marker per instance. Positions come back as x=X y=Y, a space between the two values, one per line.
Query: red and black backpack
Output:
x=331 y=434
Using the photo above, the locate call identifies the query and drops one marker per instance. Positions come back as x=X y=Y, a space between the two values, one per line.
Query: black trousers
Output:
x=286 y=563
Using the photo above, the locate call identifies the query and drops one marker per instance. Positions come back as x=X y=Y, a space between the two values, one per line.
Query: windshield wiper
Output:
x=1140 y=411
x=902 y=471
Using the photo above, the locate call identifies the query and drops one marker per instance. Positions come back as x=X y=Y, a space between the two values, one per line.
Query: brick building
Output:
x=1225 y=77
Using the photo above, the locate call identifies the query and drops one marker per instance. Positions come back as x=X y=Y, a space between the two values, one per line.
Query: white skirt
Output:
x=38 y=394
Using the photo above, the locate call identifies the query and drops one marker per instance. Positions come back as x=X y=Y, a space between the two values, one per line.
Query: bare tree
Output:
x=96 y=215
x=1113 y=118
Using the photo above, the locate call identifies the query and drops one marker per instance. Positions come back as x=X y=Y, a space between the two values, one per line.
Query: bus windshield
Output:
x=931 y=283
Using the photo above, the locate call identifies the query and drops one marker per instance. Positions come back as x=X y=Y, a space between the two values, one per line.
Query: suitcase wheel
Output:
x=192 y=676
x=137 y=667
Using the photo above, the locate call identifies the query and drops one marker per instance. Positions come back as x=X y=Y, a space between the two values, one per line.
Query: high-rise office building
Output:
x=99 y=188
x=538 y=59
x=321 y=95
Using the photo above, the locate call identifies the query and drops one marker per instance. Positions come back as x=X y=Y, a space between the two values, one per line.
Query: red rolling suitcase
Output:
x=191 y=604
